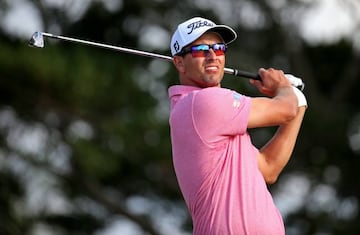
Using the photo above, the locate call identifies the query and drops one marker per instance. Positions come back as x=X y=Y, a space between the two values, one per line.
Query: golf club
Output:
x=37 y=40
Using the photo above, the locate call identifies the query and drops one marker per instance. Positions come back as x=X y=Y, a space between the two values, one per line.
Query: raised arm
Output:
x=280 y=109
x=274 y=156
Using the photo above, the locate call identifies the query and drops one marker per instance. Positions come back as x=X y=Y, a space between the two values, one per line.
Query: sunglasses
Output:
x=203 y=50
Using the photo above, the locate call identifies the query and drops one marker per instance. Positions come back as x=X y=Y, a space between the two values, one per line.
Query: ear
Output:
x=179 y=63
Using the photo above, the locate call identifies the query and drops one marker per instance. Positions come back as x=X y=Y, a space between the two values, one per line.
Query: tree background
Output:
x=84 y=136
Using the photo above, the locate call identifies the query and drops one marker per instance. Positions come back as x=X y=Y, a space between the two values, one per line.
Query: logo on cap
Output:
x=199 y=24
x=176 y=46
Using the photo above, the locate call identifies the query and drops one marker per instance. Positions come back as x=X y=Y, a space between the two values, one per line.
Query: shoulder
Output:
x=219 y=102
x=221 y=110
x=216 y=96
x=214 y=90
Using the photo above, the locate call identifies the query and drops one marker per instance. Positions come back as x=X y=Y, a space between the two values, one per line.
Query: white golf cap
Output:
x=192 y=29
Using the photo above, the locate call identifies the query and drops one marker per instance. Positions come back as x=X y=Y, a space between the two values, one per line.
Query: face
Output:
x=205 y=71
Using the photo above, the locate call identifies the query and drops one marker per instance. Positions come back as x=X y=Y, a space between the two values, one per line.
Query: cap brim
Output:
x=227 y=33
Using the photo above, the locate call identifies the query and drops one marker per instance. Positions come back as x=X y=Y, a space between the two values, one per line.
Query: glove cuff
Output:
x=300 y=96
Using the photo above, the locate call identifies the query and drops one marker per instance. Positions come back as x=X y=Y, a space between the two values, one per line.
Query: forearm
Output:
x=274 y=156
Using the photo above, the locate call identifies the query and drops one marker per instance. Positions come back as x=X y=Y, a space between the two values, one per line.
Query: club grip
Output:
x=295 y=81
x=245 y=74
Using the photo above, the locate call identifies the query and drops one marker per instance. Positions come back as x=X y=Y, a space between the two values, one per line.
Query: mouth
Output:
x=212 y=68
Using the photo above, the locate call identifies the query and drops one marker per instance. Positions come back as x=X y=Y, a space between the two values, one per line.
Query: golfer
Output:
x=223 y=177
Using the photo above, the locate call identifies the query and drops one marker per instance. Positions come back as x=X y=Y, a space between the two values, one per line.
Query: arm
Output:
x=274 y=156
x=282 y=110
x=280 y=107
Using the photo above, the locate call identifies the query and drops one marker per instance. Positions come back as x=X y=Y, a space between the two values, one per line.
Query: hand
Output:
x=271 y=81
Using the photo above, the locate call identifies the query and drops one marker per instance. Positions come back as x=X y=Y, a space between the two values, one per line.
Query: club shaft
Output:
x=231 y=71
x=116 y=48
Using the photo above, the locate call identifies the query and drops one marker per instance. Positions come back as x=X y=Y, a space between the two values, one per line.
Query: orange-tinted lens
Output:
x=202 y=53
x=219 y=52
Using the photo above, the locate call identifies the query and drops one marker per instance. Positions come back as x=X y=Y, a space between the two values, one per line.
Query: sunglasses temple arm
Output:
x=240 y=73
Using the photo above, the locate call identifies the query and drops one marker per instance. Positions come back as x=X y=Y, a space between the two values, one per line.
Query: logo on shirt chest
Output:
x=236 y=101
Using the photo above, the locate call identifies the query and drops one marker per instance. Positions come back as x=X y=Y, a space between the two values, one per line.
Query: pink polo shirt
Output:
x=216 y=164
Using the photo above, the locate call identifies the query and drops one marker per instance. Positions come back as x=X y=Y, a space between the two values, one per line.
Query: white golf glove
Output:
x=295 y=81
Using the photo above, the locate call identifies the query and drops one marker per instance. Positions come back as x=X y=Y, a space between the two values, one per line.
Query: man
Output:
x=222 y=176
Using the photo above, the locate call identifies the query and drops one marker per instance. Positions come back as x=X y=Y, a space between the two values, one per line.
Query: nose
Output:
x=211 y=53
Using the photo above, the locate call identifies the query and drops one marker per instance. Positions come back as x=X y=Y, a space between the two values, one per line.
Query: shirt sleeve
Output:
x=220 y=113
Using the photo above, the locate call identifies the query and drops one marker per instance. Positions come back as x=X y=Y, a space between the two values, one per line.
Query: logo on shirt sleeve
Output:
x=236 y=101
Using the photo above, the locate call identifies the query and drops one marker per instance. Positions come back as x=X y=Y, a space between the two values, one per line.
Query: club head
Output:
x=37 y=40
